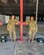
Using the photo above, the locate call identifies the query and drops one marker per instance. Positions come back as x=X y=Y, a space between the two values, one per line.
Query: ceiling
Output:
x=9 y=7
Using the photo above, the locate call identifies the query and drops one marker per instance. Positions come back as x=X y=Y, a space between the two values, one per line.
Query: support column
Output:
x=21 y=19
x=36 y=9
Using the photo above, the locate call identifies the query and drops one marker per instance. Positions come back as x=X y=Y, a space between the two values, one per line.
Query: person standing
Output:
x=32 y=28
x=11 y=27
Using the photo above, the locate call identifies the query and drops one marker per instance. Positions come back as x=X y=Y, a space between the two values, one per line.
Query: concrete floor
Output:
x=29 y=48
x=21 y=48
x=7 y=48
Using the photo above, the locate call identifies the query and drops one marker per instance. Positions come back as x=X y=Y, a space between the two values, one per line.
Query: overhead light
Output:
x=16 y=1
x=4 y=1
x=34 y=1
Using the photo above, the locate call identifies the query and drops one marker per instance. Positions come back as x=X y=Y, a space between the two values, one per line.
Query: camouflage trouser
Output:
x=12 y=34
x=32 y=34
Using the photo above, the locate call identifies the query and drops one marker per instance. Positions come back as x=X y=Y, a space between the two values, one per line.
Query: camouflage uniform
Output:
x=32 y=29
x=11 y=28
